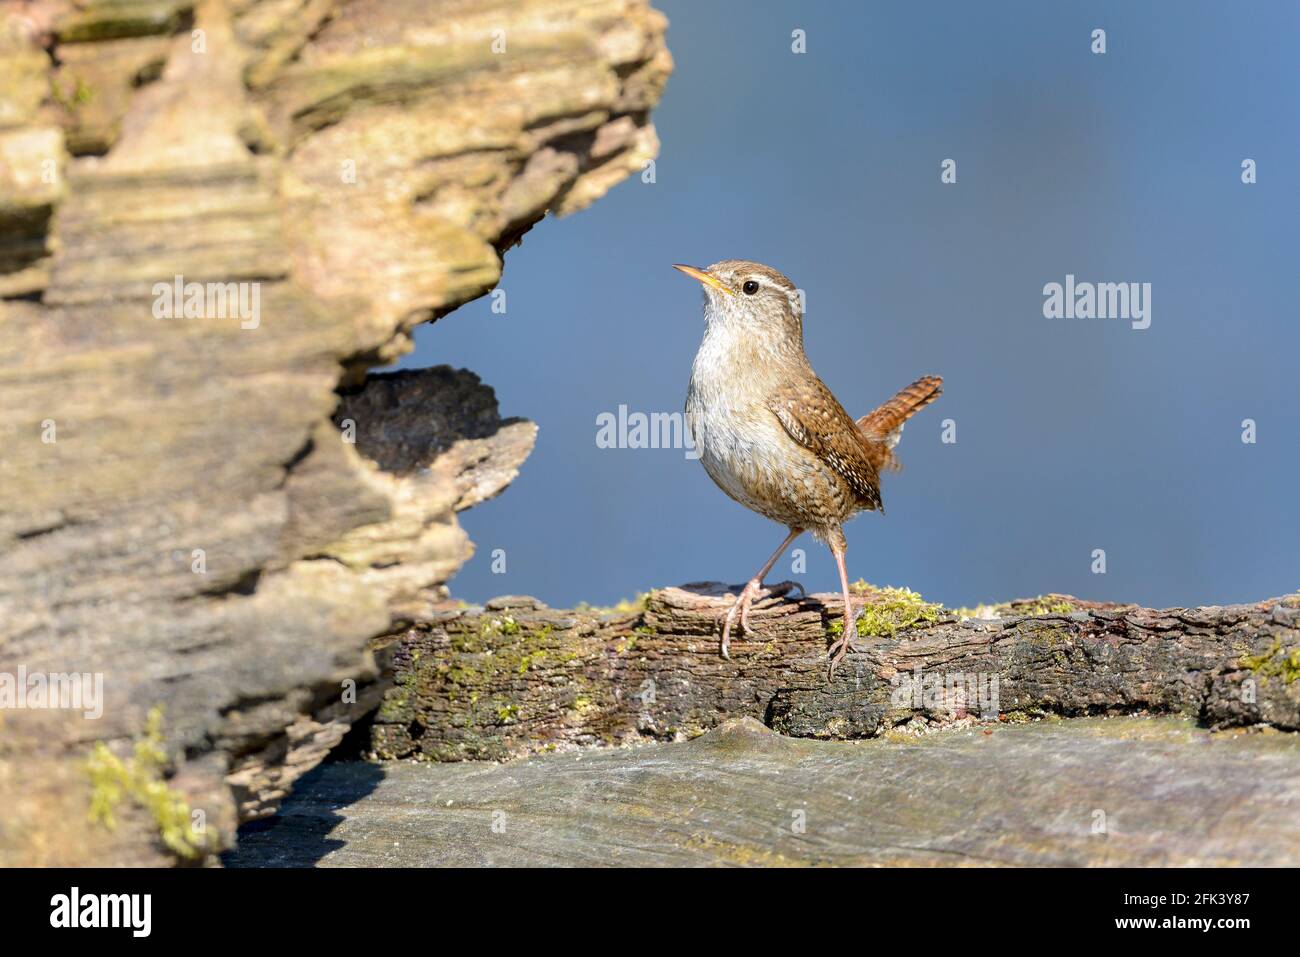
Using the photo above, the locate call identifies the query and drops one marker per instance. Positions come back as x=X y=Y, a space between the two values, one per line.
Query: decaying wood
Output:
x=517 y=677
x=179 y=510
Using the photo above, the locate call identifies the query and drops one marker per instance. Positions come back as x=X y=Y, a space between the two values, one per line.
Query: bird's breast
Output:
x=749 y=455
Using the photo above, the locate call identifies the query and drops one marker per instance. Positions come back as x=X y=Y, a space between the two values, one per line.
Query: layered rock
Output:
x=183 y=509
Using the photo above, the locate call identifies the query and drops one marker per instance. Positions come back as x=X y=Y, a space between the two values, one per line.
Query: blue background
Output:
x=1071 y=434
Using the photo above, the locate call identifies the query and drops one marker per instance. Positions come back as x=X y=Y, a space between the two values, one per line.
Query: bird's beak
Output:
x=707 y=278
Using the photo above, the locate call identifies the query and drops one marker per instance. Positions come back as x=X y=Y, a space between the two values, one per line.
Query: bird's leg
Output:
x=779 y=590
x=751 y=589
x=845 y=641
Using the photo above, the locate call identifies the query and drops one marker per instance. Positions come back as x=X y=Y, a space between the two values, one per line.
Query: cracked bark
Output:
x=517 y=677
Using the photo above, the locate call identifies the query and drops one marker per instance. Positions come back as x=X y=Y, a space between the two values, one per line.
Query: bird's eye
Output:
x=749 y=288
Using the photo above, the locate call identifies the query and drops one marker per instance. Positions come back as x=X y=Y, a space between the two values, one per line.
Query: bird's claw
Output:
x=845 y=642
x=740 y=608
x=837 y=653
x=765 y=592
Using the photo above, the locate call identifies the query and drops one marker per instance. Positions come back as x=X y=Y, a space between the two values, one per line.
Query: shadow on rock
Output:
x=298 y=836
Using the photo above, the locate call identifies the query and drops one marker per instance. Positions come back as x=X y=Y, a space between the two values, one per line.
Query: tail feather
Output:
x=883 y=426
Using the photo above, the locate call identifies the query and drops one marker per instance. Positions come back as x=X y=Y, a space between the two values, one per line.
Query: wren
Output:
x=773 y=437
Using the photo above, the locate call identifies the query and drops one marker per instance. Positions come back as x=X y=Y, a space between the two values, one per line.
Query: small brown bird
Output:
x=770 y=433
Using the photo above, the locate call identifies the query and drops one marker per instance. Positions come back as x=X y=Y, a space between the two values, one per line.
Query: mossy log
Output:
x=516 y=677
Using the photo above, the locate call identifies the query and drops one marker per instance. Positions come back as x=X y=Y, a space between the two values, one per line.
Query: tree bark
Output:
x=517 y=677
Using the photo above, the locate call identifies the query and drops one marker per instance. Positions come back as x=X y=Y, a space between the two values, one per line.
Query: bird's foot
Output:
x=740 y=607
x=764 y=592
x=753 y=589
x=845 y=642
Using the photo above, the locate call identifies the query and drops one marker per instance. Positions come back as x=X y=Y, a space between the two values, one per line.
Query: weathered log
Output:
x=517 y=677
x=178 y=510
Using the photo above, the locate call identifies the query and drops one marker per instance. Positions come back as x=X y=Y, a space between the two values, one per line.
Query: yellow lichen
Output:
x=1042 y=605
x=622 y=607
x=140 y=779
x=528 y=660
x=1276 y=662
x=507 y=713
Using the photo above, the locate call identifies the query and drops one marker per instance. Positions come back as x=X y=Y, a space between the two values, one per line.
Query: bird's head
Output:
x=748 y=297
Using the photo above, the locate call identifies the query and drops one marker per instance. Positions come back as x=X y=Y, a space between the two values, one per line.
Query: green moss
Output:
x=1031 y=607
x=629 y=643
x=393 y=708
x=891 y=610
x=1051 y=636
x=623 y=607
x=501 y=626
x=139 y=779
x=965 y=611
x=528 y=660
x=487 y=635
x=70 y=98
x=473 y=681
x=1276 y=662
x=481 y=654
x=1043 y=605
